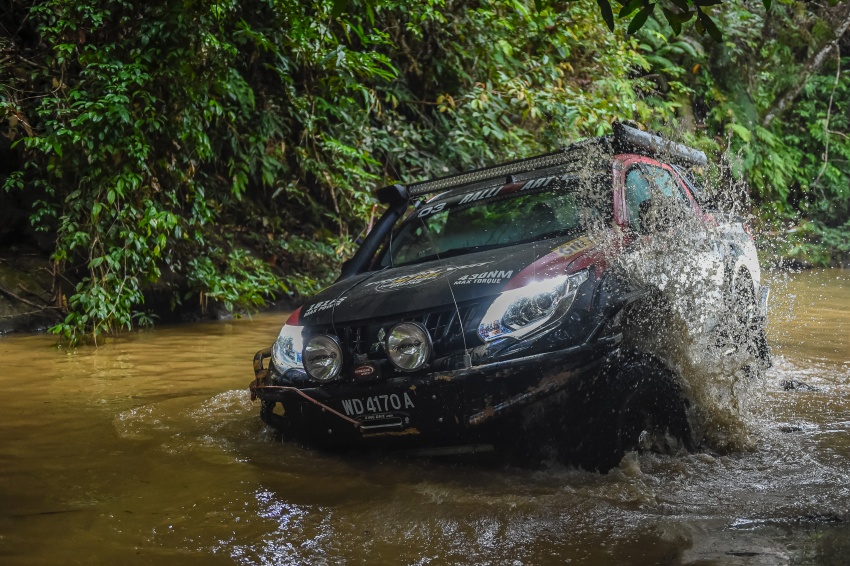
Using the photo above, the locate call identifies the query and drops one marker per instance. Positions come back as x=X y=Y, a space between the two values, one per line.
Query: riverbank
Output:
x=27 y=298
x=33 y=299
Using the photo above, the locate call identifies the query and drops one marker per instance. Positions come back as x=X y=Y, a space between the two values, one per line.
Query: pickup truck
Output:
x=490 y=311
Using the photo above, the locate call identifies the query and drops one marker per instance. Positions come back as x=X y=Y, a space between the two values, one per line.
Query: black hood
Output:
x=430 y=285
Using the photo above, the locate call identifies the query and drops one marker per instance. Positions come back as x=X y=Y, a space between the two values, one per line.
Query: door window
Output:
x=667 y=199
x=665 y=183
x=637 y=191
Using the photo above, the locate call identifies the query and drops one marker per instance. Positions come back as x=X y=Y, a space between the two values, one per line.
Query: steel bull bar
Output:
x=552 y=368
x=259 y=384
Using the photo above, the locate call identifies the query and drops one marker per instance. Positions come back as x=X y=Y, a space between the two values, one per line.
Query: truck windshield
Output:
x=460 y=224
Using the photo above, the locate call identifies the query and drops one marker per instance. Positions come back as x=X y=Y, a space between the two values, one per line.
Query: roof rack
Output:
x=626 y=139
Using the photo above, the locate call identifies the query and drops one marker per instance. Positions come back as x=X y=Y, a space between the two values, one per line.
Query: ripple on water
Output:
x=177 y=467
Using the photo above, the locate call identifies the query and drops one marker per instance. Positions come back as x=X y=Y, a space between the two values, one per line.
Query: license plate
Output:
x=375 y=404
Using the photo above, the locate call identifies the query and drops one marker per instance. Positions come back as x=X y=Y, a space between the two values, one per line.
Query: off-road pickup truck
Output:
x=484 y=312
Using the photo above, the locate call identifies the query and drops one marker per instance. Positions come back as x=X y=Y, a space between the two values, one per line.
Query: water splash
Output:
x=694 y=316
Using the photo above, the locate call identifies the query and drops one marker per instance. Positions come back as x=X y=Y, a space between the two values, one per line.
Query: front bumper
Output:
x=480 y=404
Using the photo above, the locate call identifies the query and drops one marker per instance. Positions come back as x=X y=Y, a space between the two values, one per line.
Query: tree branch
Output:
x=811 y=66
x=828 y=113
x=12 y=295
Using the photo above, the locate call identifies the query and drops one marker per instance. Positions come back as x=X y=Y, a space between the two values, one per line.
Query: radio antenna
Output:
x=467 y=357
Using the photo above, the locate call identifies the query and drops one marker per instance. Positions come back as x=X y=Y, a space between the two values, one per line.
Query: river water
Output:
x=148 y=450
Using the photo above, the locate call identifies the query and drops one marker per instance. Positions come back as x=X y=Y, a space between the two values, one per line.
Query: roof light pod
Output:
x=408 y=346
x=322 y=357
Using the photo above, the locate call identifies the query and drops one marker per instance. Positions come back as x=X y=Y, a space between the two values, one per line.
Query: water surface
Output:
x=148 y=449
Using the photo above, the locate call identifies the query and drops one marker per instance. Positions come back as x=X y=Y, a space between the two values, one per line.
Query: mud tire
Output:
x=272 y=419
x=646 y=411
x=746 y=323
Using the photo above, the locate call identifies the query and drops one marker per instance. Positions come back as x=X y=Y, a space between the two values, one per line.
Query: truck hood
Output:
x=436 y=284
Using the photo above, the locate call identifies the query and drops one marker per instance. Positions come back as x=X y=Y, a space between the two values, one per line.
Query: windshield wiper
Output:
x=548 y=235
x=454 y=252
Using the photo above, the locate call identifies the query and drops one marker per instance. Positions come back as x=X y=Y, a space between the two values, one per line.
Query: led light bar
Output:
x=626 y=139
x=560 y=157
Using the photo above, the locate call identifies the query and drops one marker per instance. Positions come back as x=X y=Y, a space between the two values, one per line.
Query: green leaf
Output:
x=607 y=13
x=640 y=19
x=742 y=132
x=709 y=26
x=672 y=20
x=338 y=8
x=629 y=8
x=110 y=197
x=704 y=3
x=506 y=47
x=538 y=5
x=766 y=4
x=679 y=17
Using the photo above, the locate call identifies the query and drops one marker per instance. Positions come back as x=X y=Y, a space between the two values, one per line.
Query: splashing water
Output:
x=692 y=317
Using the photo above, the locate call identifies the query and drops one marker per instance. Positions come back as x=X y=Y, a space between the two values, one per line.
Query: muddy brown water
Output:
x=147 y=450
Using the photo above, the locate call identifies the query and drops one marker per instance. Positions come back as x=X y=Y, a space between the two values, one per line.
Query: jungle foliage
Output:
x=228 y=151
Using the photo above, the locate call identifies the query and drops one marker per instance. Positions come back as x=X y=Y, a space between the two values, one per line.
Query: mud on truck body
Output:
x=479 y=314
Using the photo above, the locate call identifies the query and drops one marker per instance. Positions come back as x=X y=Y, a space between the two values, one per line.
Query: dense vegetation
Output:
x=228 y=151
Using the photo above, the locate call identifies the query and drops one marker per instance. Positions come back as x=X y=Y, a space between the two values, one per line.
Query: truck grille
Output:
x=446 y=327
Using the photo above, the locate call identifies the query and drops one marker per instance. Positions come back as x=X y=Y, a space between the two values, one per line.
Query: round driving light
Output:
x=408 y=346
x=322 y=357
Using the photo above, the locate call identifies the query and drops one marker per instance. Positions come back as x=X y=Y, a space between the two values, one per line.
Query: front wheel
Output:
x=745 y=323
x=272 y=418
x=646 y=411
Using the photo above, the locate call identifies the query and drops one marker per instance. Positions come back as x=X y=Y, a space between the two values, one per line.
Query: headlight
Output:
x=323 y=357
x=519 y=312
x=408 y=346
x=286 y=351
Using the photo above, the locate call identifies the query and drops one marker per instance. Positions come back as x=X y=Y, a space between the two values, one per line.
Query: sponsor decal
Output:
x=536 y=183
x=484 y=277
x=573 y=247
x=323 y=305
x=429 y=210
x=420 y=278
x=486 y=193
x=377 y=404
x=478 y=195
x=364 y=371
